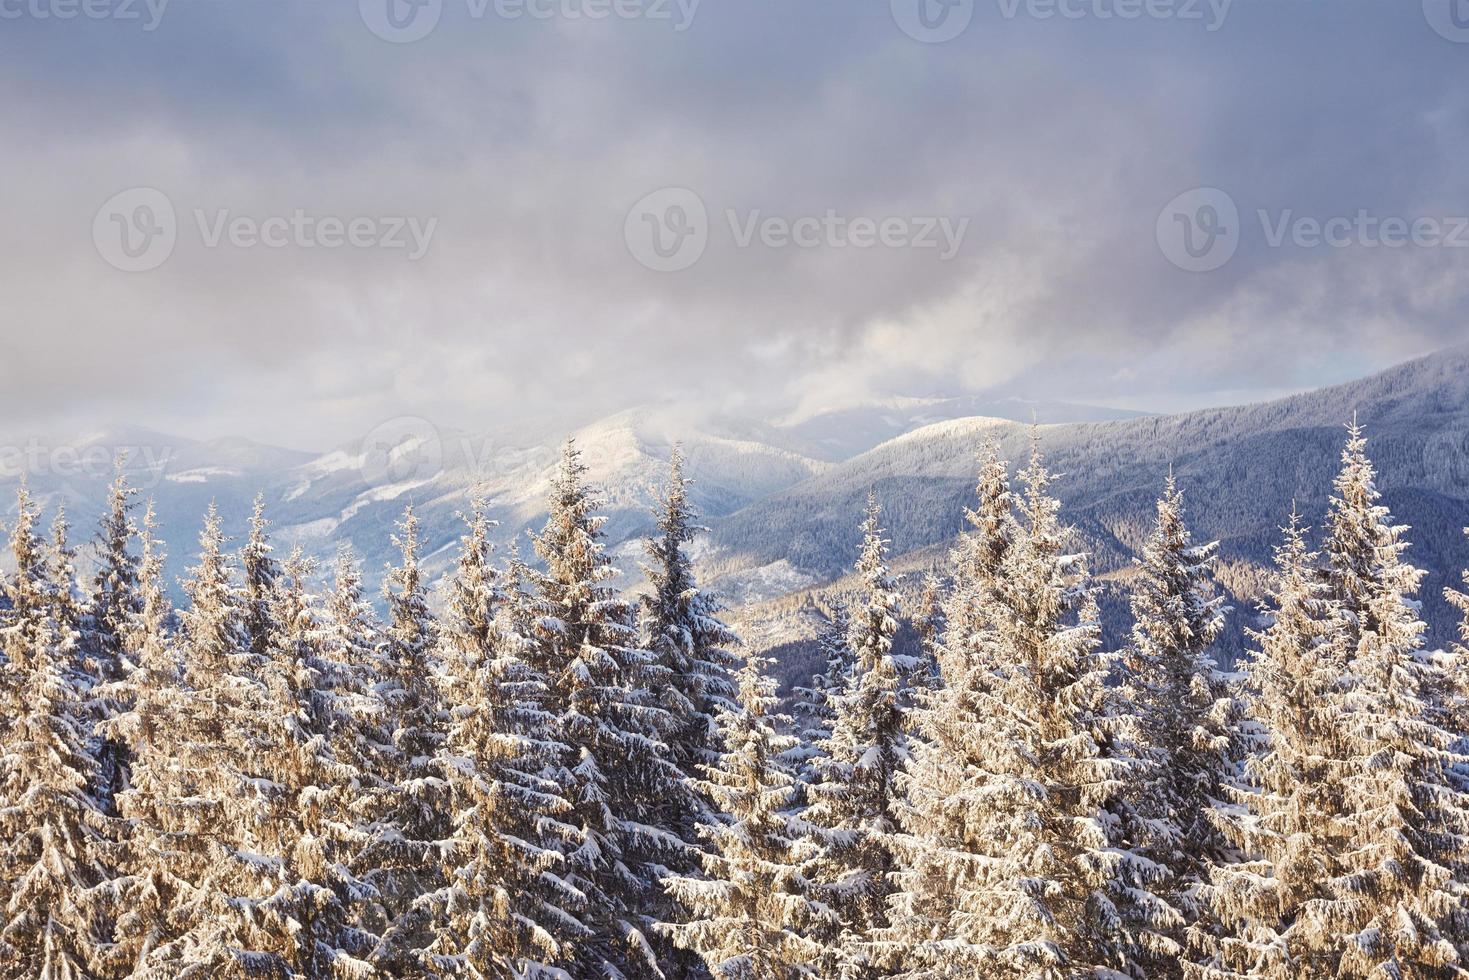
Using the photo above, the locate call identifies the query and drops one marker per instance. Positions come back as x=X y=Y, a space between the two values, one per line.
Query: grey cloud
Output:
x=529 y=141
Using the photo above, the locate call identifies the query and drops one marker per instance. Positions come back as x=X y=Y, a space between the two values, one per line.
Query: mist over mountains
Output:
x=783 y=499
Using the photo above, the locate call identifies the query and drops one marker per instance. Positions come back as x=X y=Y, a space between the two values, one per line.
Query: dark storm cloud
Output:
x=1059 y=139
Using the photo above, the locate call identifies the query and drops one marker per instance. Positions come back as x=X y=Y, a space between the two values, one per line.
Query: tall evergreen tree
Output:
x=55 y=878
x=142 y=729
x=352 y=641
x=1456 y=712
x=66 y=597
x=1356 y=816
x=1027 y=844
x=813 y=705
x=311 y=831
x=945 y=725
x=928 y=622
x=1183 y=701
x=259 y=573
x=414 y=816
x=116 y=600
x=1286 y=817
x=600 y=687
x=752 y=911
x=116 y=604
x=854 y=799
x=1397 y=900
x=681 y=628
x=504 y=910
x=203 y=794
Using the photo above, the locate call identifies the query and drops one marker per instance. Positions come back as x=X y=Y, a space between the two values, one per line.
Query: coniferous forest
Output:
x=531 y=775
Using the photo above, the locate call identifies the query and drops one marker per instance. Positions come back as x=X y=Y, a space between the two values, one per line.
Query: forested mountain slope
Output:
x=1240 y=469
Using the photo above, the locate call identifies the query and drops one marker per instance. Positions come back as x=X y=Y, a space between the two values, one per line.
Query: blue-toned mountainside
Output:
x=1240 y=469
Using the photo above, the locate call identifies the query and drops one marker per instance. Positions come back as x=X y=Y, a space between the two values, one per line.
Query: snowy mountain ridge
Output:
x=783 y=501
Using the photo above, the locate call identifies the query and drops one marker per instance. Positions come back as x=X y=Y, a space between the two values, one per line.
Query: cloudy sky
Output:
x=292 y=220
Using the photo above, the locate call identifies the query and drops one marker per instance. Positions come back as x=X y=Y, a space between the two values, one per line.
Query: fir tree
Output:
x=504 y=910
x=1015 y=811
x=143 y=730
x=66 y=598
x=752 y=913
x=600 y=687
x=54 y=874
x=116 y=605
x=681 y=628
x=946 y=728
x=967 y=640
x=1396 y=900
x=854 y=798
x=352 y=641
x=259 y=573
x=813 y=705
x=415 y=818
x=312 y=915
x=1456 y=712
x=116 y=601
x=1286 y=817
x=1183 y=701
x=202 y=799
x=929 y=623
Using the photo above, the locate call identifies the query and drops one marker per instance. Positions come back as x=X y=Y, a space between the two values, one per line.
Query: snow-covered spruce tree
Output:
x=928 y=622
x=1396 y=901
x=1025 y=842
x=352 y=641
x=601 y=688
x=502 y=911
x=812 y=704
x=681 y=627
x=1184 y=704
x=202 y=797
x=1456 y=712
x=66 y=596
x=853 y=801
x=142 y=729
x=414 y=818
x=116 y=602
x=259 y=573
x=313 y=915
x=752 y=913
x=975 y=563
x=1287 y=816
x=946 y=729
x=54 y=875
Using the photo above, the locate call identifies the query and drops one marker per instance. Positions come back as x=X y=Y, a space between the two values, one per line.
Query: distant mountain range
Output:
x=783 y=499
x=355 y=492
x=1240 y=469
